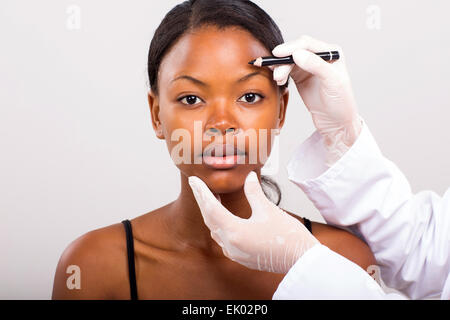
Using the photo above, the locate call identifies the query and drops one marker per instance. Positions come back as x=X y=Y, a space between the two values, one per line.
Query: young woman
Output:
x=199 y=72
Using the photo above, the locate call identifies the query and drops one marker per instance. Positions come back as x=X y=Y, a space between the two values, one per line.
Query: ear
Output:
x=284 y=99
x=153 y=102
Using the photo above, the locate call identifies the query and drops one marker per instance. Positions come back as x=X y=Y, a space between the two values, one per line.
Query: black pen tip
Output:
x=251 y=62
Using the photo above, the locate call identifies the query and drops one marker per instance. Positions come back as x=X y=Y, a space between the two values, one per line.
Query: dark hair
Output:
x=193 y=14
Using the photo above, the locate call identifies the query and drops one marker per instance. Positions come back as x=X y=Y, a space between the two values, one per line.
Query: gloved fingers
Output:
x=224 y=239
x=256 y=197
x=314 y=64
x=227 y=254
x=214 y=213
x=217 y=238
x=233 y=244
x=304 y=42
x=281 y=73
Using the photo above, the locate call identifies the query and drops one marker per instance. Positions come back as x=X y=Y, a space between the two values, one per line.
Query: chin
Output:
x=226 y=181
x=221 y=181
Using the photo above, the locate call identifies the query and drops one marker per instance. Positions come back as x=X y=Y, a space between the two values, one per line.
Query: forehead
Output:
x=209 y=52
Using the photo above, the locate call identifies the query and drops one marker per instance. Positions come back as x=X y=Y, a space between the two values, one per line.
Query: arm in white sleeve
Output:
x=321 y=273
x=408 y=233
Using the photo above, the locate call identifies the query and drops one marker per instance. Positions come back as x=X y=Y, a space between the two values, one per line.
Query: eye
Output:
x=190 y=99
x=251 y=97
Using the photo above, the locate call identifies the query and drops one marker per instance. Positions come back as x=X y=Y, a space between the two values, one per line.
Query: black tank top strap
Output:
x=307 y=224
x=130 y=253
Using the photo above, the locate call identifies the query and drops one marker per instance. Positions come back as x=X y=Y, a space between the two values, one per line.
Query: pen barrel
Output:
x=270 y=60
x=328 y=55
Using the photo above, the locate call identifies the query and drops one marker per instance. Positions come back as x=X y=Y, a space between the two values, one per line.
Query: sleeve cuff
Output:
x=307 y=167
x=323 y=274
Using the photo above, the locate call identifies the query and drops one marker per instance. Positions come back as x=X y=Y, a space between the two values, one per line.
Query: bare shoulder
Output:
x=342 y=242
x=93 y=266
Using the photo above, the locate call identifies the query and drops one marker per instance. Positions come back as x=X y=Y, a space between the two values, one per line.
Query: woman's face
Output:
x=205 y=98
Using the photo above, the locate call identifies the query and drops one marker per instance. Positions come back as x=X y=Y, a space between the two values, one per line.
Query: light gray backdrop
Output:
x=77 y=150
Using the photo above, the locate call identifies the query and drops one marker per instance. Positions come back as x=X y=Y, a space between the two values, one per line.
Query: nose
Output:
x=220 y=129
x=221 y=121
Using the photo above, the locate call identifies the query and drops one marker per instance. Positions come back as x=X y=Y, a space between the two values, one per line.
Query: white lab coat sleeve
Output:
x=408 y=233
x=321 y=273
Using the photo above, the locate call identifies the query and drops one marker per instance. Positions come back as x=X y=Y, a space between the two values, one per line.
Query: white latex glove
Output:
x=325 y=89
x=270 y=240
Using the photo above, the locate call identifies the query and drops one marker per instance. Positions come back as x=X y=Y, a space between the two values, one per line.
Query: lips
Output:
x=222 y=150
x=222 y=156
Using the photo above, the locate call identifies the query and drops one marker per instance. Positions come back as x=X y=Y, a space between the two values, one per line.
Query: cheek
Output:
x=176 y=128
x=179 y=134
x=271 y=121
x=263 y=114
x=263 y=125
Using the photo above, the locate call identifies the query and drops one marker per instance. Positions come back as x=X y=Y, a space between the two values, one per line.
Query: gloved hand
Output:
x=270 y=240
x=325 y=89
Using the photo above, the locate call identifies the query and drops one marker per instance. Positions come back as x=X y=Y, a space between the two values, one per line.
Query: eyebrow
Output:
x=244 y=78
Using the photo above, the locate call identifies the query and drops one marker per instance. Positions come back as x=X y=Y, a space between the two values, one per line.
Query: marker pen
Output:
x=271 y=60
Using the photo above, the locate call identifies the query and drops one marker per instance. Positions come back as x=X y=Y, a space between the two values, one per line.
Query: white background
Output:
x=77 y=149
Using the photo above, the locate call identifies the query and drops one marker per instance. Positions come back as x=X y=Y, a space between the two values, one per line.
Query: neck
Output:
x=186 y=221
